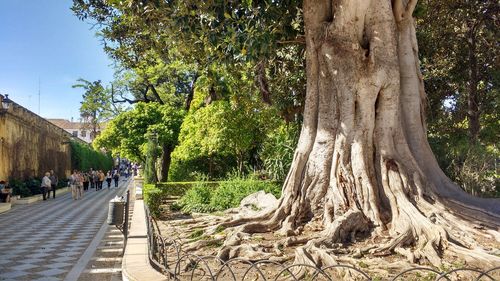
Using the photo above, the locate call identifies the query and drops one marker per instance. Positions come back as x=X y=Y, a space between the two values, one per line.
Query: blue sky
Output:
x=42 y=39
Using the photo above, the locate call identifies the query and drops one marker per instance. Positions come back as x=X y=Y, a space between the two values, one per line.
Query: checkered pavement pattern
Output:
x=106 y=263
x=44 y=240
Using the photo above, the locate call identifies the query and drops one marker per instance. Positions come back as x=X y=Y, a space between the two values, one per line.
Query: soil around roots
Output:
x=199 y=235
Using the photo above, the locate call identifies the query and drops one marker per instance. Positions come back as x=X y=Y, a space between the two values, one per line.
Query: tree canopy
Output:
x=127 y=134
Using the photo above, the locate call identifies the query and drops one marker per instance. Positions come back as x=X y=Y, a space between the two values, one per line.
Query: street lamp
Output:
x=6 y=103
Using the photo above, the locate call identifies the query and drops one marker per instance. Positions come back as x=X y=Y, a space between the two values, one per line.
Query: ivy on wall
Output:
x=84 y=157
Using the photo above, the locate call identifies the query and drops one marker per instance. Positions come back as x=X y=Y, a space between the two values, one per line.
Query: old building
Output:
x=76 y=129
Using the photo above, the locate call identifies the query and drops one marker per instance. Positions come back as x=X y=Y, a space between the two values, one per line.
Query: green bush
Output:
x=33 y=185
x=180 y=188
x=197 y=199
x=153 y=198
x=472 y=167
x=19 y=188
x=278 y=149
x=205 y=196
x=83 y=157
x=476 y=171
x=188 y=170
x=228 y=194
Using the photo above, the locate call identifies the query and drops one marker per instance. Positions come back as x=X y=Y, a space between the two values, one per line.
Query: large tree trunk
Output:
x=363 y=162
x=166 y=159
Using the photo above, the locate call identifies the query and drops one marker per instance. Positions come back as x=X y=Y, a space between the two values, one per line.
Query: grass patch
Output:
x=219 y=229
x=362 y=264
x=203 y=198
x=197 y=233
x=215 y=244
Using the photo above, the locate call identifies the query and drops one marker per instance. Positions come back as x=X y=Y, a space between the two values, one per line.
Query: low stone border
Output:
x=38 y=197
x=135 y=262
x=4 y=207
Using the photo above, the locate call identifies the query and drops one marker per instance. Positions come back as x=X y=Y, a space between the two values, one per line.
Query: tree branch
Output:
x=299 y=40
x=124 y=99
x=155 y=93
x=190 y=95
x=262 y=81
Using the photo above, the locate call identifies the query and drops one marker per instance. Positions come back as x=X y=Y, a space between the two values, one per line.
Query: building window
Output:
x=83 y=134
x=75 y=134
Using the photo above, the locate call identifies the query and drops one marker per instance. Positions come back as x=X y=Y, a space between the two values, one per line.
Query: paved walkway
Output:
x=54 y=239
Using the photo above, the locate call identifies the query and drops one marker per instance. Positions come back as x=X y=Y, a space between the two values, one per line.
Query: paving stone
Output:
x=51 y=272
x=40 y=255
x=64 y=259
x=14 y=274
x=52 y=278
x=4 y=261
x=44 y=240
x=24 y=267
x=32 y=261
x=58 y=265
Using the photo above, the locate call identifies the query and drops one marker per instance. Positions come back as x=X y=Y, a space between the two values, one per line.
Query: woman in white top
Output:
x=46 y=182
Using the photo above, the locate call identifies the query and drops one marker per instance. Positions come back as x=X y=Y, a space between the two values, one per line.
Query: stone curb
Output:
x=38 y=197
x=4 y=207
x=135 y=262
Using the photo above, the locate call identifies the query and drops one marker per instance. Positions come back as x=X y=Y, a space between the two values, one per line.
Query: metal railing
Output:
x=166 y=256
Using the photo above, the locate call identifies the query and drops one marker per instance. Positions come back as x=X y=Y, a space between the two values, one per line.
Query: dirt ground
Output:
x=193 y=256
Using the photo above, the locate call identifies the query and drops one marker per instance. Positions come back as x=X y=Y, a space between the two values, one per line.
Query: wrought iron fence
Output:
x=166 y=255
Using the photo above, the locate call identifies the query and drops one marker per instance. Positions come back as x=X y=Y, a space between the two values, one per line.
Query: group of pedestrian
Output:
x=93 y=179
x=79 y=182
x=49 y=183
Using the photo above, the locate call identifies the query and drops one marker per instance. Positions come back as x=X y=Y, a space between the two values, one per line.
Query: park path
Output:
x=54 y=239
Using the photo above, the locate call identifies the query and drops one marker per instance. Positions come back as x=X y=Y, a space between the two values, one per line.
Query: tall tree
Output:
x=130 y=134
x=461 y=78
x=363 y=162
x=461 y=71
x=95 y=107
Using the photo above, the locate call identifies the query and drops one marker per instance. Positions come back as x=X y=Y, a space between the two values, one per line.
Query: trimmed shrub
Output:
x=19 y=188
x=197 y=199
x=83 y=157
x=205 y=196
x=180 y=188
x=228 y=194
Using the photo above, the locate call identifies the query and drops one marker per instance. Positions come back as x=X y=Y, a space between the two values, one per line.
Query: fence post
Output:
x=125 y=226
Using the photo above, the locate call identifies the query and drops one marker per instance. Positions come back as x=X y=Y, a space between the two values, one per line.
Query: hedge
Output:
x=205 y=196
x=83 y=157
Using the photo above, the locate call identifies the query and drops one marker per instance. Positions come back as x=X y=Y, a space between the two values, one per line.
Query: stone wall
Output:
x=31 y=146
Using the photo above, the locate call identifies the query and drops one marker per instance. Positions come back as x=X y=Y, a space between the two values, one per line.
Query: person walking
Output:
x=95 y=177
x=116 y=177
x=72 y=182
x=108 y=178
x=100 y=179
x=45 y=185
x=53 y=183
x=92 y=178
x=79 y=185
x=86 y=181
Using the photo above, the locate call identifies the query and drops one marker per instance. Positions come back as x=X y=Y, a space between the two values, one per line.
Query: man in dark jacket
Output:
x=53 y=183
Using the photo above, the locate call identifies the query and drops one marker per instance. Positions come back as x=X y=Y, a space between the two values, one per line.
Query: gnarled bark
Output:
x=363 y=162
